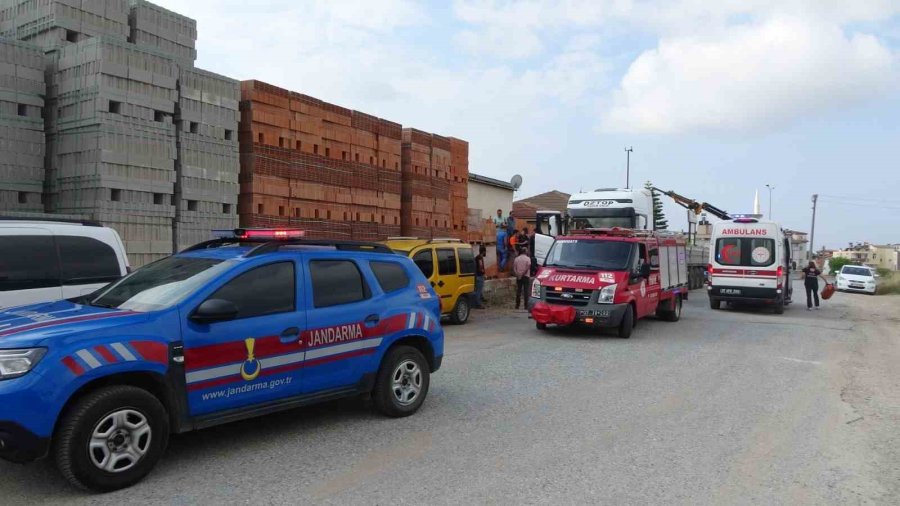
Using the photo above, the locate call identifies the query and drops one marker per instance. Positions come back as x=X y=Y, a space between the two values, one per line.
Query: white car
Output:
x=44 y=260
x=854 y=278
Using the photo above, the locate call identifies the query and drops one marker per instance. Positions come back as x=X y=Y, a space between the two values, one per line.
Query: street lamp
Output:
x=770 y=187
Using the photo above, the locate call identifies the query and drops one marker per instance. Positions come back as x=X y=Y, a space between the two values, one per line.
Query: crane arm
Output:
x=693 y=205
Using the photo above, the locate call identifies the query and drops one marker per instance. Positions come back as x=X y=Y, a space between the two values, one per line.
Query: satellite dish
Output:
x=516 y=181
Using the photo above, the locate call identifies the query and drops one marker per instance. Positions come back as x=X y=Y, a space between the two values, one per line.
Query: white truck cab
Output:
x=602 y=208
x=749 y=262
x=612 y=207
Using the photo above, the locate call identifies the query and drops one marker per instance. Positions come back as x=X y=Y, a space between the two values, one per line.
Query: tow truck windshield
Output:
x=590 y=254
x=161 y=284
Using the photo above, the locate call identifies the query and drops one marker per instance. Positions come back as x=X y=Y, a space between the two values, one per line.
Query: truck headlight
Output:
x=536 y=289
x=15 y=363
x=607 y=294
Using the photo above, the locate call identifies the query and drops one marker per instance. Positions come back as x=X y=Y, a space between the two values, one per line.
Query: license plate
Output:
x=730 y=291
x=857 y=286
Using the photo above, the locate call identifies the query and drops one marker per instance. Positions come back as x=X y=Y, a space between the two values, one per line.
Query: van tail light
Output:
x=709 y=271
x=778 y=275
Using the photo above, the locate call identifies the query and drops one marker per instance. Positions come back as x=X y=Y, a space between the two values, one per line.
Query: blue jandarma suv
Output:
x=232 y=328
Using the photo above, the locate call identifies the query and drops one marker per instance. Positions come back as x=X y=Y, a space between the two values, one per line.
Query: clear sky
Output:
x=717 y=97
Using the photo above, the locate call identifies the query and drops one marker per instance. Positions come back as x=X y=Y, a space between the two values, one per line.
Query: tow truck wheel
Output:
x=627 y=325
x=674 y=314
x=402 y=382
x=460 y=312
x=111 y=438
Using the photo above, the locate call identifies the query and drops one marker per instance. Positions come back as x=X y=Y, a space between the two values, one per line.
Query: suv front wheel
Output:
x=402 y=382
x=111 y=438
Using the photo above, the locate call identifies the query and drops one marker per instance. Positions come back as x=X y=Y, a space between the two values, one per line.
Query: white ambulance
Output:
x=749 y=262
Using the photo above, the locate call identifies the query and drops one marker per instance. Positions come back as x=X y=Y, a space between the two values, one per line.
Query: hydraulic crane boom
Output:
x=693 y=205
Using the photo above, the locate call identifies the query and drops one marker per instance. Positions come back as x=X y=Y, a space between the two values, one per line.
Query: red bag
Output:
x=828 y=291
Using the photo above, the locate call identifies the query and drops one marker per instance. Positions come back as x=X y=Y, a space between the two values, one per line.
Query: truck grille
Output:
x=568 y=296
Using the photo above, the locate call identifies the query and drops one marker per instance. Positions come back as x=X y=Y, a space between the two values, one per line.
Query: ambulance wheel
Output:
x=402 y=382
x=111 y=438
x=627 y=325
x=540 y=326
x=714 y=303
x=460 y=312
x=779 y=306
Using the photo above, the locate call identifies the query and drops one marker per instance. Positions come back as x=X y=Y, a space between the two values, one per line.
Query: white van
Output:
x=749 y=261
x=43 y=260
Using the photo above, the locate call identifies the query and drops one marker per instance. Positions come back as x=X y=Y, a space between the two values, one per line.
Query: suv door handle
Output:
x=372 y=320
x=290 y=334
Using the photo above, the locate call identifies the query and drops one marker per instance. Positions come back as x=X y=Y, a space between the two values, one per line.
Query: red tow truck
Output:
x=610 y=278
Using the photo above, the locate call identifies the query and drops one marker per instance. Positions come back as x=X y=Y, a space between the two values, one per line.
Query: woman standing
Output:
x=811 y=275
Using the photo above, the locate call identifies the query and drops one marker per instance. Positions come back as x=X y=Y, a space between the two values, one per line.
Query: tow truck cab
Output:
x=749 y=262
x=610 y=278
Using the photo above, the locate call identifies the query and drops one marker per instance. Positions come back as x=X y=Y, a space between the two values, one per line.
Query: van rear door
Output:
x=741 y=262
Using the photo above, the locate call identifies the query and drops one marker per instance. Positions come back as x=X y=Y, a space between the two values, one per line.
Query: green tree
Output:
x=659 y=216
x=836 y=263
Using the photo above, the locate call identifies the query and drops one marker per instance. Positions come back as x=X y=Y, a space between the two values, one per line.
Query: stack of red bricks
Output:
x=459 y=190
x=309 y=164
x=426 y=184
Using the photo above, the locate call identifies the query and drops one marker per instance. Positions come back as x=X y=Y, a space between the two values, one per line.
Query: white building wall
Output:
x=489 y=198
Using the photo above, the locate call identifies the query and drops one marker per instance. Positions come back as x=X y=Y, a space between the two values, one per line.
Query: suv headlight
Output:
x=536 y=289
x=607 y=294
x=15 y=363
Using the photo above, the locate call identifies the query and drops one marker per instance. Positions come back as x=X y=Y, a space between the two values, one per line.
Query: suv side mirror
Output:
x=645 y=270
x=214 y=310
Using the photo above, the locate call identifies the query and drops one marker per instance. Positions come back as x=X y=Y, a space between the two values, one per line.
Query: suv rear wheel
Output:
x=111 y=438
x=460 y=312
x=402 y=382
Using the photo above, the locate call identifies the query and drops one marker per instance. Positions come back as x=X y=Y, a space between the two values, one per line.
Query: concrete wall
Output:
x=489 y=198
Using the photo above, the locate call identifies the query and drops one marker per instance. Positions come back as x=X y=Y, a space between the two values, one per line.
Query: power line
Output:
x=866 y=199
x=860 y=204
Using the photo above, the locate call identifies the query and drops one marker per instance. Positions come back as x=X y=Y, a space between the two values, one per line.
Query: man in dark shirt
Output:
x=811 y=275
x=479 y=277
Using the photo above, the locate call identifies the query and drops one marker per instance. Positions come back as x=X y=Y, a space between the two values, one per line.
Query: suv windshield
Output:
x=605 y=255
x=161 y=284
x=857 y=271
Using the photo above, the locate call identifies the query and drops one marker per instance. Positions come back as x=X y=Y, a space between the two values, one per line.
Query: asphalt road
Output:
x=723 y=407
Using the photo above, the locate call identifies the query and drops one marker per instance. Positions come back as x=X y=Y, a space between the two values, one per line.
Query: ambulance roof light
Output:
x=746 y=220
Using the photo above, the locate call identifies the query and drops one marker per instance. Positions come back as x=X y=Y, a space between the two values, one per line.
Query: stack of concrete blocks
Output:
x=22 y=91
x=208 y=156
x=53 y=24
x=164 y=31
x=113 y=143
x=119 y=75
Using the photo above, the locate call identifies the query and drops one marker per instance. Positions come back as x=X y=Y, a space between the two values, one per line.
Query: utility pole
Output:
x=812 y=231
x=628 y=151
x=770 y=187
